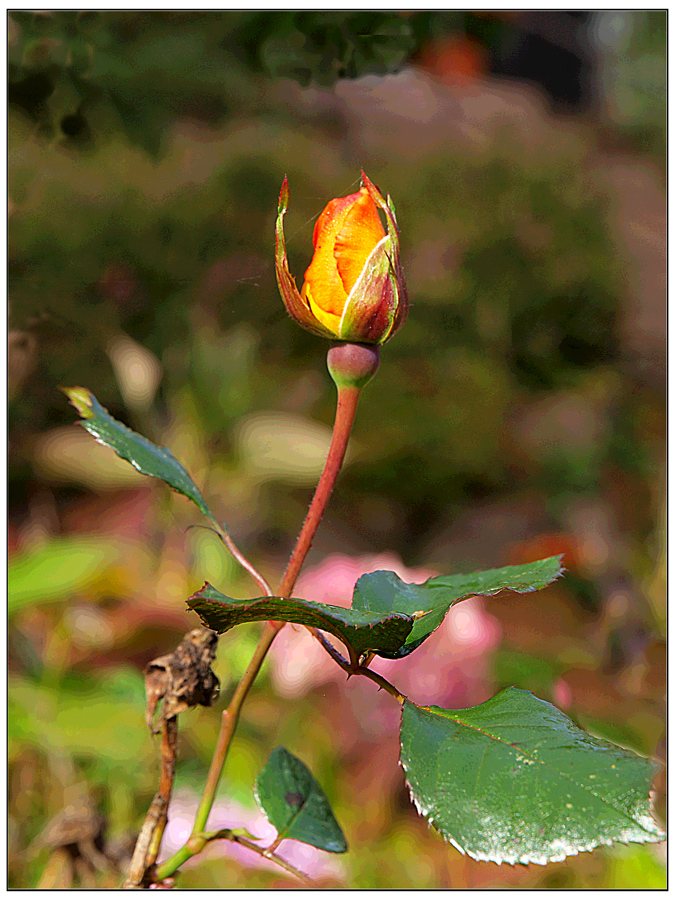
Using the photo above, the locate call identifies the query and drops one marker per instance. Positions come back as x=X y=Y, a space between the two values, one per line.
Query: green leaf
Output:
x=514 y=780
x=148 y=458
x=388 y=616
x=363 y=631
x=290 y=797
x=428 y=603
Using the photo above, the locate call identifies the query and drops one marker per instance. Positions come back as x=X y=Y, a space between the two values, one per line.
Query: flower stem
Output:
x=347 y=401
x=348 y=398
x=229 y=723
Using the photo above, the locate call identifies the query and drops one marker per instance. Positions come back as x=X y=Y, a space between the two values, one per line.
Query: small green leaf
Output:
x=290 y=797
x=515 y=780
x=428 y=603
x=363 y=631
x=148 y=458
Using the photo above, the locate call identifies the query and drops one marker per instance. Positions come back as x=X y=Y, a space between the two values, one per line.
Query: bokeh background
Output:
x=518 y=414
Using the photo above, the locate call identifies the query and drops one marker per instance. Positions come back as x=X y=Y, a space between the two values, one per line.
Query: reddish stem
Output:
x=348 y=398
x=344 y=419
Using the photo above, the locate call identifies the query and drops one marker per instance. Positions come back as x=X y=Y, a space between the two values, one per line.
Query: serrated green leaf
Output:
x=515 y=780
x=291 y=798
x=428 y=603
x=148 y=458
x=363 y=631
x=388 y=617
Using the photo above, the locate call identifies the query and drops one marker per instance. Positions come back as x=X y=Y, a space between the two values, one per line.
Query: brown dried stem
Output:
x=178 y=680
x=150 y=836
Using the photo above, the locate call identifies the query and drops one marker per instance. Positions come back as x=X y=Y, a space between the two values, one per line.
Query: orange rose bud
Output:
x=354 y=288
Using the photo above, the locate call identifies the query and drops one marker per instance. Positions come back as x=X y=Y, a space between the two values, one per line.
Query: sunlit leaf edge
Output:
x=652 y=835
x=94 y=417
x=512 y=580
x=352 y=627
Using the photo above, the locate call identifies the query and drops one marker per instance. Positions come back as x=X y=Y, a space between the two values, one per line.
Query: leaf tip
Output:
x=198 y=595
x=81 y=399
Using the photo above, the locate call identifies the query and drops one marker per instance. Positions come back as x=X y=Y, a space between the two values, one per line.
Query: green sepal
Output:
x=296 y=307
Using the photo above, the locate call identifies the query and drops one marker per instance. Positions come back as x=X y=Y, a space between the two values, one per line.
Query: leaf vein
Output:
x=541 y=762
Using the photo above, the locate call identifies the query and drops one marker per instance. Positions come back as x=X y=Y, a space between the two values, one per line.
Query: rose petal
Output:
x=361 y=232
x=345 y=234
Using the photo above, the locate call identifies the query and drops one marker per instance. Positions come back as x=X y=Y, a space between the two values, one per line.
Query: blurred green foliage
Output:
x=146 y=151
x=635 y=77
x=530 y=304
x=87 y=74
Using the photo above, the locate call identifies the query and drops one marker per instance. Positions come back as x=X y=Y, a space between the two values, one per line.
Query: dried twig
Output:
x=179 y=680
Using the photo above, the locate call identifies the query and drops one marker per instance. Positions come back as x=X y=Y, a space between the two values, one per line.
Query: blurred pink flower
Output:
x=561 y=694
x=299 y=663
x=230 y=814
x=450 y=668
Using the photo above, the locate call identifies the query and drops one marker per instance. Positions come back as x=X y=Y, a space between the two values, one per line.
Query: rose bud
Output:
x=354 y=288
